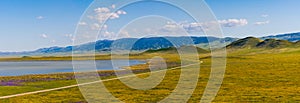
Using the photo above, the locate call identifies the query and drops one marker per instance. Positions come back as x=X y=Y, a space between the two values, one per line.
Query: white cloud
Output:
x=90 y=17
x=199 y=27
x=102 y=10
x=233 y=22
x=121 y=12
x=196 y=27
x=113 y=6
x=82 y=23
x=124 y=33
x=100 y=15
x=171 y=27
x=105 y=27
x=188 y=27
x=107 y=35
x=40 y=17
x=114 y=16
x=70 y=36
x=44 y=36
x=262 y=23
x=95 y=26
x=103 y=13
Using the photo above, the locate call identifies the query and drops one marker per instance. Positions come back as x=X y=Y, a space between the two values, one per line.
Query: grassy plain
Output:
x=255 y=75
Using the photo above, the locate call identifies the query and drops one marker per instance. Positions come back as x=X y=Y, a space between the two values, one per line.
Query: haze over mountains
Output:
x=293 y=37
x=155 y=43
x=134 y=44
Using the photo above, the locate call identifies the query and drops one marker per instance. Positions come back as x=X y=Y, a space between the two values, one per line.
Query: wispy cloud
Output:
x=172 y=27
x=40 y=17
x=53 y=41
x=102 y=13
x=71 y=37
x=95 y=26
x=233 y=22
x=82 y=23
x=262 y=23
x=199 y=27
x=113 y=6
x=68 y=35
x=124 y=33
x=45 y=36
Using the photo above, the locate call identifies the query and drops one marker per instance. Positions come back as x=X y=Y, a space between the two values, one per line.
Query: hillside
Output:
x=273 y=43
x=298 y=43
x=252 y=42
x=249 y=42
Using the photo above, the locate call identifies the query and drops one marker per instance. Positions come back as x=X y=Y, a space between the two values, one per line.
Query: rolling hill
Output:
x=298 y=43
x=252 y=42
x=273 y=43
x=248 y=42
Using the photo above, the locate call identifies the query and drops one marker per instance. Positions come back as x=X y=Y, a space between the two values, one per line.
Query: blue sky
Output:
x=32 y=24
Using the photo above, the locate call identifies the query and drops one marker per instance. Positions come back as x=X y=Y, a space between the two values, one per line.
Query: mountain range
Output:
x=155 y=43
x=135 y=44
x=292 y=37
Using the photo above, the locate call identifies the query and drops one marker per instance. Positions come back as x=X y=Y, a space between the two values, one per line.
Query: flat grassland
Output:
x=251 y=76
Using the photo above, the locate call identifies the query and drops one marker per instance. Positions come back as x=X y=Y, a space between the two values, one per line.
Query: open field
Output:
x=251 y=76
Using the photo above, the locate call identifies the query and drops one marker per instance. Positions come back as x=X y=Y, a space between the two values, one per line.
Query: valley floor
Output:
x=262 y=77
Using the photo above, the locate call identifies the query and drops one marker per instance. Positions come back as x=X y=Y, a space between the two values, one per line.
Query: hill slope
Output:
x=273 y=43
x=252 y=42
x=298 y=43
x=248 y=42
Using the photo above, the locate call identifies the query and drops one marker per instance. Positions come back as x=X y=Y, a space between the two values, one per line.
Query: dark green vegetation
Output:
x=252 y=42
x=298 y=43
x=257 y=71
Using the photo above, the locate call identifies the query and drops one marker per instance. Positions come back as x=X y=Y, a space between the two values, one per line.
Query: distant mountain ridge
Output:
x=138 y=44
x=292 y=37
x=153 y=43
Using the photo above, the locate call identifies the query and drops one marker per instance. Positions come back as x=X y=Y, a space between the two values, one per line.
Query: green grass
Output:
x=34 y=86
x=251 y=76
